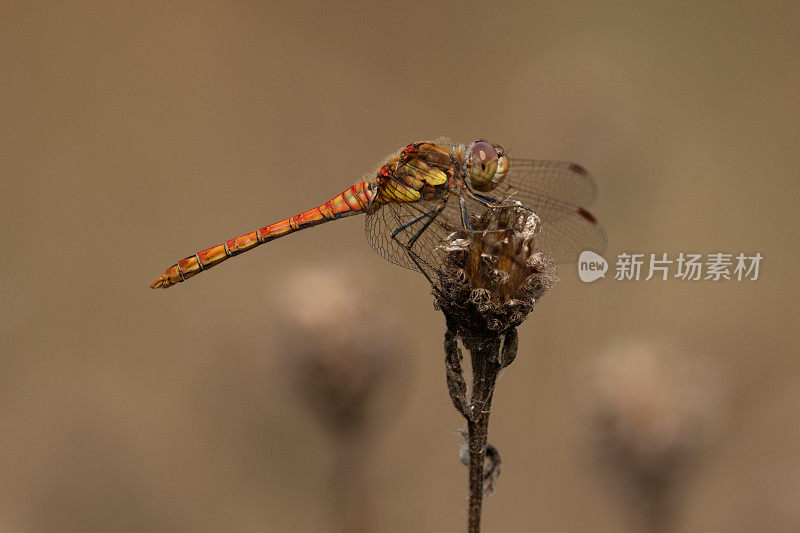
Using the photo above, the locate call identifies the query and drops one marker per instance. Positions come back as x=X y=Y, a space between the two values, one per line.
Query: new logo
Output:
x=591 y=266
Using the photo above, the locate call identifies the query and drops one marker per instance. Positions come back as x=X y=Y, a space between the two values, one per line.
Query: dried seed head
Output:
x=480 y=296
x=456 y=245
x=492 y=265
x=537 y=261
x=500 y=277
x=338 y=345
x=653 y=411
x=489 y=259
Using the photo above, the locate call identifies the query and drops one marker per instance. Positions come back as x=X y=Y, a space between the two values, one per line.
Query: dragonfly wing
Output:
x=559 y=193
x=551 y=188
x=409 y=234
x=566 y=237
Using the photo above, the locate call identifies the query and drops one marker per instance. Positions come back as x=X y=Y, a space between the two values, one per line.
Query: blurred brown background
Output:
x=133 y=136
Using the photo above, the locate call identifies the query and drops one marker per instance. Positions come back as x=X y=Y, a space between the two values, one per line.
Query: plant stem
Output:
x=350 y=497
x=484 y=355
x=477 y=453
x=489 y=352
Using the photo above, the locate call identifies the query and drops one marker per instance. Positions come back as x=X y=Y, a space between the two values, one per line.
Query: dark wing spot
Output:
x=587 y=215
x=577 y=169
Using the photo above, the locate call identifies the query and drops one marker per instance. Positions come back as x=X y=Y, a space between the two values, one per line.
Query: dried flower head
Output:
x=342 y=351
x=493 y=275
x=340 y=348
x=653 y=411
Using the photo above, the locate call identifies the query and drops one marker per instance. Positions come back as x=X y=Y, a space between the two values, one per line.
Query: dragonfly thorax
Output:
x=422 y=171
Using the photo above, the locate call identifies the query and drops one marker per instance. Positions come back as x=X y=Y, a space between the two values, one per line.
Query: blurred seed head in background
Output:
x=653 y=411
x=341 y=347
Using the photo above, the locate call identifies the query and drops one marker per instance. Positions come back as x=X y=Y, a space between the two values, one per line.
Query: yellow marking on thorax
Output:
x=394 y=191
x=435 y=177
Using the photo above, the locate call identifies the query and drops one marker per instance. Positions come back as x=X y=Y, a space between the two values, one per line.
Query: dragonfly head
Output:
x=487 y=165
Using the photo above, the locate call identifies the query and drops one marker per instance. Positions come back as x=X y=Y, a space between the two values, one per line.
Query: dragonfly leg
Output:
x=491 y=202
x=431 y=215
x=464 y=216
x=414 y=257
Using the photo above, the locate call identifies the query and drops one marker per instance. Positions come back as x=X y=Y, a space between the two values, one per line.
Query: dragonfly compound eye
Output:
x=486 y=166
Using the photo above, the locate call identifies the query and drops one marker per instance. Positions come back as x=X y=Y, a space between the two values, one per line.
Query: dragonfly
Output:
x=423 y=193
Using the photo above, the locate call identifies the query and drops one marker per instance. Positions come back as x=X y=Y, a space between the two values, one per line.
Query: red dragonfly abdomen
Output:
x=353 y=201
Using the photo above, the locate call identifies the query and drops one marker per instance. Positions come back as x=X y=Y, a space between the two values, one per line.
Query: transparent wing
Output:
x=409 y=234
x=564 y=239
x=552 y=188
x=559 y=192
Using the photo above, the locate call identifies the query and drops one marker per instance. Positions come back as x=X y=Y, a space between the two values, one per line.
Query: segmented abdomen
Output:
x=353 y=201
